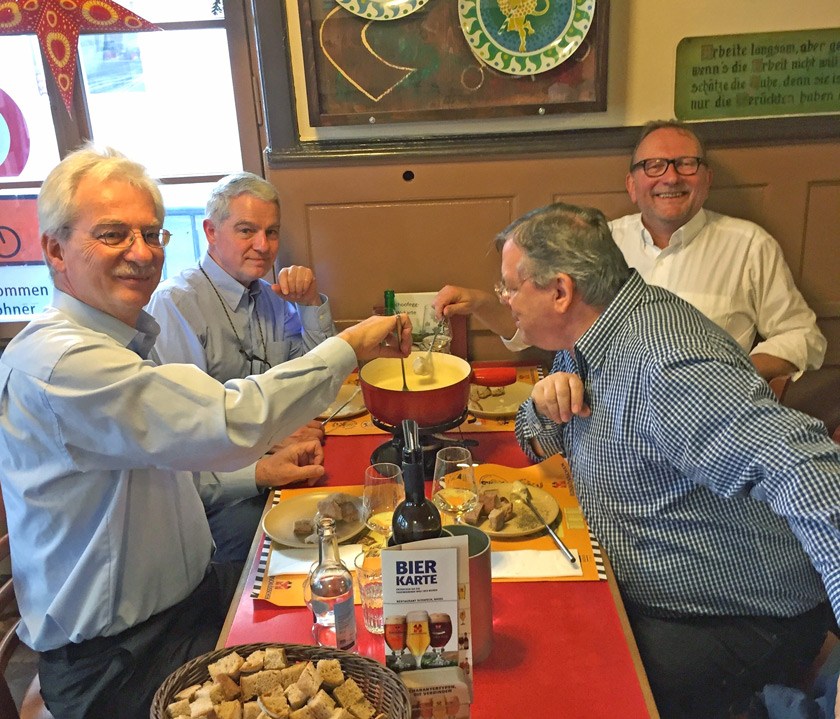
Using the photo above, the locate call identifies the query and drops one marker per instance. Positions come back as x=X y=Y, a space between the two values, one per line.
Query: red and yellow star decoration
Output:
x=58 y=23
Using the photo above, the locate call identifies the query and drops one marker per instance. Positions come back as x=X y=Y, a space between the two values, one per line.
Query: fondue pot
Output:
x=433 y=399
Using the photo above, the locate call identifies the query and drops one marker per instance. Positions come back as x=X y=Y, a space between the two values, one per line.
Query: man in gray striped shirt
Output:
x=717 y=507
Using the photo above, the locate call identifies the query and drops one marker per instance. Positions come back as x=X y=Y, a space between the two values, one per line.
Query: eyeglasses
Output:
x=122 y=236
x=658 y=166
x=504 y=293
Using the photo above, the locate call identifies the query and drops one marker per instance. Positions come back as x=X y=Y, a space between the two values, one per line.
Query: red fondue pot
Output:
x=432 y=399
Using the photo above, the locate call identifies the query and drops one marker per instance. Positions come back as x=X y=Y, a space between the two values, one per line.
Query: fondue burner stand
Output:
x=431 y=440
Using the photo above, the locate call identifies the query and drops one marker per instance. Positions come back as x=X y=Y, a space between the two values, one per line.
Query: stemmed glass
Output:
x=384 y=490
x=454 y=489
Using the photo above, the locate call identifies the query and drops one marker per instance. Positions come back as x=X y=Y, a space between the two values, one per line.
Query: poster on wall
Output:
x=25 y=285
x=769 y=74
x=367 y=61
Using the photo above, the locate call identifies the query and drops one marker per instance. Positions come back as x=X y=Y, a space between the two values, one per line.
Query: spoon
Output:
x=521 y=491
x=423 y=363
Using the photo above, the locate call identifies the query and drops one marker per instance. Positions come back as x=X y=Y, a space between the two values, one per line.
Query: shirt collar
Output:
x=231 y=290
x=683 y=235
x=139 y=338
x=592 y=346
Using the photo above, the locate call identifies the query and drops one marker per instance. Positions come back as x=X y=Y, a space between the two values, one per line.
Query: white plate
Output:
x=279 y=521
x=504 y=405
x=523 y=521
x=355 y=407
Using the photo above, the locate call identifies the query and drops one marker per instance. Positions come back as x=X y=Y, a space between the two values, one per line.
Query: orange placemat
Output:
x=363 y=424
x=286 y=590
x=553 y=476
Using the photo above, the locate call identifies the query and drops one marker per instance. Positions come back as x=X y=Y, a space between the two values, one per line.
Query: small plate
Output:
x=279 y=521
x=382 y=9
x=525 y=38
x=503 y=405
x=355 y=407
x=523 y=521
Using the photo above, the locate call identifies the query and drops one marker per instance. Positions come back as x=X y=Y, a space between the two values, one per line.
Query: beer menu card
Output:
x=425 y=595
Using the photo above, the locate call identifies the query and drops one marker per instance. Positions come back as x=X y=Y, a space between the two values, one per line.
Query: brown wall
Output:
x=366 y=228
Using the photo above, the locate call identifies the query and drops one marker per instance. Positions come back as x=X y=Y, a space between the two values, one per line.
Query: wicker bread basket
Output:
x=382 y=687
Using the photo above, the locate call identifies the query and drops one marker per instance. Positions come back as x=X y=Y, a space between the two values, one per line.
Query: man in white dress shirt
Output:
x=730 y=269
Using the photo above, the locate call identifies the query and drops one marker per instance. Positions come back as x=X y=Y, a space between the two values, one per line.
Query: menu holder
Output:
x=426 y=613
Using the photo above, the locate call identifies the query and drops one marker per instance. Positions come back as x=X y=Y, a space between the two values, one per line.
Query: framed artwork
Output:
x=369 y=61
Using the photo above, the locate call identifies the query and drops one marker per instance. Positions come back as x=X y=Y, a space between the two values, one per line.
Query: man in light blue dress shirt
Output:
x=717 y=507
x=223 y=317
x=100 y=449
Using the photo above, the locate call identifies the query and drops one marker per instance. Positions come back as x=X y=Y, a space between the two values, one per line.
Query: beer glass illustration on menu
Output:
x=395 y=639
x=440 y=632
x=417 y=637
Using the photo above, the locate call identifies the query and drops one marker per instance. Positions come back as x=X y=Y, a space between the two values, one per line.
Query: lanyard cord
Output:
x=250 y=356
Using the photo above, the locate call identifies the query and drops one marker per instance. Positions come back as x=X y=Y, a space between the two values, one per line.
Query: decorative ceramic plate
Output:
x=279 y=522
x=498 y=405
x=525 y=37
x=382 y=9
x=523 y=521
x=353 y=408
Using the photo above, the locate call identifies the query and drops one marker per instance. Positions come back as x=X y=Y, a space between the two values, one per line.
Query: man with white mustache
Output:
x=730 y=269
x=101 y=448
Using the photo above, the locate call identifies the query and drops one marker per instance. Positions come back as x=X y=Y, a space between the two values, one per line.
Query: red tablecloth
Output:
x=559 y=649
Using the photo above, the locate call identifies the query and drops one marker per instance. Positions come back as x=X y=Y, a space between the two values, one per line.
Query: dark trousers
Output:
x=233 y=527
x=709 y=667
x=117 y=676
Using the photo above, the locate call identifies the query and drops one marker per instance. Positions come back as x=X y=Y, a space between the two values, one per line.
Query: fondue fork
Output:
x=521 y=491
x=402 y=359
x=348 y=401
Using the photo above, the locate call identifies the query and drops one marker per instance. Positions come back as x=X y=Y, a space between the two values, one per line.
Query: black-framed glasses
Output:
x=658 y=166
x=120 y=236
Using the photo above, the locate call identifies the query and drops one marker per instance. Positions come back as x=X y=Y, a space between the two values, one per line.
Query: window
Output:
x=166 y=99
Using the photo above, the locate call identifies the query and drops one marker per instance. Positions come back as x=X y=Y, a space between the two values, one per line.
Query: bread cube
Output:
x=228 y=664
x=330 y=672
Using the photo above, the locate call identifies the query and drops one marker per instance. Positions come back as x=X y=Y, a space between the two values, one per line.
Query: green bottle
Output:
x=390 y=303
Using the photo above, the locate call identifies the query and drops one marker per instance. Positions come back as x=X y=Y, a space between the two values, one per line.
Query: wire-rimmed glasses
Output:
x=121 y=236
x=658 y=166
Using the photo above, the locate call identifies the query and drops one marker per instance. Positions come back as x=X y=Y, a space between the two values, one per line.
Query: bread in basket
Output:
x=381 y=687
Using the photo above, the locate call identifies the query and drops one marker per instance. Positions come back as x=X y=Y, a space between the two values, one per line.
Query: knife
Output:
x=348 y=401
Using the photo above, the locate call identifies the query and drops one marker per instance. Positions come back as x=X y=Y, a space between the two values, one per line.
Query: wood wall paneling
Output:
x=418 y=225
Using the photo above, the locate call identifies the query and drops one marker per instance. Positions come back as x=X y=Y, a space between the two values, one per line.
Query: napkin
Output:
x=533 y=564
x=284 y=560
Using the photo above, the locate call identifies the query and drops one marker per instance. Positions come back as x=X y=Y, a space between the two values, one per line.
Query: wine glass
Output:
x=384 y=490
x=454 y=489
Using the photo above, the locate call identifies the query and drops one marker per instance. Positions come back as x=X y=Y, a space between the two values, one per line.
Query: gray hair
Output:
x=655 y=125
x=57 y=209
x=572 y=240
x=231 y=187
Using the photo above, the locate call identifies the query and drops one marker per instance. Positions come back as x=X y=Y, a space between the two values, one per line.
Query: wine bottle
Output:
x=331 y=591
x=415 y=517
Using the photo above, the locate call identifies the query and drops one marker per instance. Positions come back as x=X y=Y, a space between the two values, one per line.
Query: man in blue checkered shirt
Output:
x=718 y=508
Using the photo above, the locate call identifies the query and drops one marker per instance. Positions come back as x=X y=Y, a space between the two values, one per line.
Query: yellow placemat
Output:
x=363 y=424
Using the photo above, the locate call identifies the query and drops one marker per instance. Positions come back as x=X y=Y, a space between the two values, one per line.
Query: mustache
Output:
x=131 y=270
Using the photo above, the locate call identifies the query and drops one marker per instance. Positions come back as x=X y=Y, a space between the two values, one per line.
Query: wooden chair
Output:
x=32 y=706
